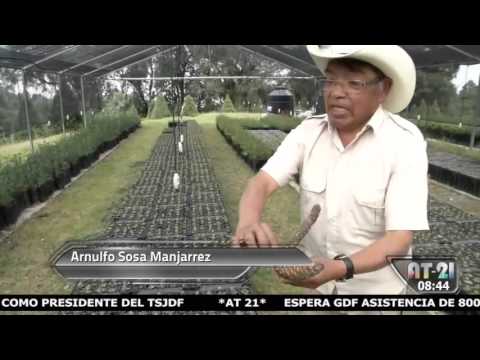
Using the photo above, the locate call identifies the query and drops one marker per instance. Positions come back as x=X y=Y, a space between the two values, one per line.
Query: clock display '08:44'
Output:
x=433 y=286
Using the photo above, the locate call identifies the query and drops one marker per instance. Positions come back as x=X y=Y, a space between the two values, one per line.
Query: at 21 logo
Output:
x=427 y=274
x=426 y=270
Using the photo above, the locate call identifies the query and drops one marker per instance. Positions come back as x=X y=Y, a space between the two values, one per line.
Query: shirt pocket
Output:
x=368 y=210
x=312 y=193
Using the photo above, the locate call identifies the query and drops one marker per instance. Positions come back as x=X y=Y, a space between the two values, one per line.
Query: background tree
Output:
x=435 y=84
x=190 y=108
x=160 y=108
x=468 y=98
x=435 y=112
x=228 y=105
x=118 y=102
x=423 y=110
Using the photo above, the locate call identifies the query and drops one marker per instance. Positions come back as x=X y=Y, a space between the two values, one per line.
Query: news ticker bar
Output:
x=466 y=303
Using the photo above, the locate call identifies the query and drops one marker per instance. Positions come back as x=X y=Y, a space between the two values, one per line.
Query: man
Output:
x=365 y=166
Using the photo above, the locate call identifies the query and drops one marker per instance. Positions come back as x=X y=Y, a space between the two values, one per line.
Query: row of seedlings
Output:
x=456 y=171
x=28 y=180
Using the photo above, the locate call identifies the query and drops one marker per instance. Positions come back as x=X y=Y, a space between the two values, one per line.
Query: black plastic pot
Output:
x=68 y=175
x=3 y=222
x=74 y=169
x=81 y=162
x=97 y=153
x=22 y=199
x=91 y=158
x=45 y=190
x=32 y=195
x=62 y=179
x=10 y=213
x=455 y=179
x=84 y=162
x=87 y=161
x=99 y=150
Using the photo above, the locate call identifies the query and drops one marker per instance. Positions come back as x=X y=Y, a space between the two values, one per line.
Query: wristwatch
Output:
x=349 y=264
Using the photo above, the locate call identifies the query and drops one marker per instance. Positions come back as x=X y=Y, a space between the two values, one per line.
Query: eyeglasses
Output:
x=349 y=86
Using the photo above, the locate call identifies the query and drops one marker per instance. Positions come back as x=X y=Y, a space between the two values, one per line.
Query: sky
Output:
x=465 y=74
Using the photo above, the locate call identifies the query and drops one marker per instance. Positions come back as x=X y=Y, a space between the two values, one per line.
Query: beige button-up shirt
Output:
x=377 y=183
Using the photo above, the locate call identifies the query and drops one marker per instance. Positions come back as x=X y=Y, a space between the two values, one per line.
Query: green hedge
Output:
x=235 y=131
x=20 y=173
x=248 y=146
x=7 y=182
x=279 y=122
x=442 y=131
x=283 y=123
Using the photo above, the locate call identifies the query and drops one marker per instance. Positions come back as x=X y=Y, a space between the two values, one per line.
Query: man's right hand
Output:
x=255 y=235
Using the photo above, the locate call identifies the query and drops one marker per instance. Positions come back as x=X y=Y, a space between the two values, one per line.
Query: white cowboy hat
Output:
x=392 y=60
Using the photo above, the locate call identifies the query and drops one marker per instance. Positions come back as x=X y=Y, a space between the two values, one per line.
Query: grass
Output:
x=282 y=211
x=76 y=213
x=210 y=118
x=23 y=147
x=465 y=151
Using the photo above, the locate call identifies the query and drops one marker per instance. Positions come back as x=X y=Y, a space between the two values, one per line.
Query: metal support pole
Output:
x=27 y=116
x=83 y=103
x=463 y=97
x=473 y=133
x=185 y=78
x=60 y=97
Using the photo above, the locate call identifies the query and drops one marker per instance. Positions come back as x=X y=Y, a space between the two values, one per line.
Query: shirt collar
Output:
x=377 y=119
